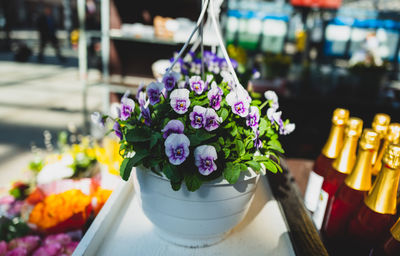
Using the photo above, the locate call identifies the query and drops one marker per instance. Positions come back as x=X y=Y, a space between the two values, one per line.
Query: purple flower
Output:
x=173 y=126
x=255 y=74
x=177 y=148
x=213 y=65
x=170 y=79
x=140 y=89
x=127 y=107
x=253 y=118
x=257 y=142
x=196 y=84
x=205 y=156
x=273 y=116
x=3 y=247
x=197 y=117
x=70 y=248
x=17 y=252
x=97 y=119
x=54 y=249
x=115 y=110
x=154 y=90
x=239 y=100
x=208 y=56
x=29 y=243
x=179 y=65
x=195 y=66
x=212 y=120
x=141 y=98
x=117 y=130
x=209 y=78
x=223 y=64
x=215 y=96
x=189 y=57
x=180 y=101
x=146 y=115
x=272 y=98
x=61 y=238
x=228 y=78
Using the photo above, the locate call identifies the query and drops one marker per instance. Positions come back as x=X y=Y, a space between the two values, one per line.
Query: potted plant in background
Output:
x=198 y=142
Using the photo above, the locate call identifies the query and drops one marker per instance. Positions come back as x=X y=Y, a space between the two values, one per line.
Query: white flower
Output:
x=239 y=100
x=273 y=98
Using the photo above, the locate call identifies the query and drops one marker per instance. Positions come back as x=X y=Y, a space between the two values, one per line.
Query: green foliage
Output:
x=12 y=228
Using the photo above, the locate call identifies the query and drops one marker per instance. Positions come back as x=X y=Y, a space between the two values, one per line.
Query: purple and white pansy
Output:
x=212 y=120
x=253 y=118
x=197 y=117
x=196 y=84
x=117 y=130
x=170 y=79
x=205 y=156
x=272 y=98
x=154 y=90
x=177 y=148
x=215 y=96
x=180 y=101
x=173 y=126
x=127 y=107
x=141 y=99
x=287 y=128
x=145 y=112
x=239 y=100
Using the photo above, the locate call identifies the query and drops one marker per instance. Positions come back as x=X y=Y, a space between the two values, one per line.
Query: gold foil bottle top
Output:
x=335 y=141
x=354 y=127
x=340 y=116
x=395 y=230
x=360 y=177
x=381 y=123
x=369 y=140
x=393 y=133
x=383 y=196
x=347 y=157
x=392 y=156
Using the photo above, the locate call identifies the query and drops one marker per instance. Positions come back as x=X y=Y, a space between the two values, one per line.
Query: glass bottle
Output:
x=392 y=137
x=340 y=168
x=391 y=245
x=377 y=214
x=349 y=196
x=329 y=152
x=380 y=125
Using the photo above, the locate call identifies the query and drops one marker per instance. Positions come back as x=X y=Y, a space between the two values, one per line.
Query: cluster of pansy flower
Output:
x=191 y=64
x=205 y=122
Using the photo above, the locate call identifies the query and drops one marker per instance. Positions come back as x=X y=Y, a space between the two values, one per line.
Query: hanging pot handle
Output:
x=217 y=27
x=199 y=21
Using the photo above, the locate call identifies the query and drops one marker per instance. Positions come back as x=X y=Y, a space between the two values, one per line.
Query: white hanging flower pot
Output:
x=194 y=219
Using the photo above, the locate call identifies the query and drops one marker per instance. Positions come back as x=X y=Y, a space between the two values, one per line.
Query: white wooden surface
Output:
x=122 y=229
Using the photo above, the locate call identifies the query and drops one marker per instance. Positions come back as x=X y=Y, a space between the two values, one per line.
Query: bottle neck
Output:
x=347 y=157
x=378 y=163
x=334 y=142
x=360 y=177
x=382 y=197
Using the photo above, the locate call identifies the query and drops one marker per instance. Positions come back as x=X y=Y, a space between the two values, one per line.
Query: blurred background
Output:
x=60 y=60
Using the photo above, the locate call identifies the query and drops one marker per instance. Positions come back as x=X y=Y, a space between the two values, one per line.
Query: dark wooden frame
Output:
x=303 y=234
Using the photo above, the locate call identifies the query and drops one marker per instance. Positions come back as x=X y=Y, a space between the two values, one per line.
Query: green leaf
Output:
x=126 y=168
x=221 y=140
x=234 y=131
x=275 y=145
x=231 y=172
x=154 y=138
x=240 y=148
x=193 y=182
x=243 y=167
x=261 y=158
x=139 y=134
x=227 y=152
x=263 y=126
x=199 y=137
x=270 y=166
x=256 y=166
x=246 y=156
x=176 y=185
x=223 y=114
x=172 y=173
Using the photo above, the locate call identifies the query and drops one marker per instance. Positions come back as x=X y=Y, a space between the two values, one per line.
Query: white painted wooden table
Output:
x=121 y=228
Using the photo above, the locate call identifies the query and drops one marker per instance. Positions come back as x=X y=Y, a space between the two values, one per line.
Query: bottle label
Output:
x=318 y=216
x=312 y=191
